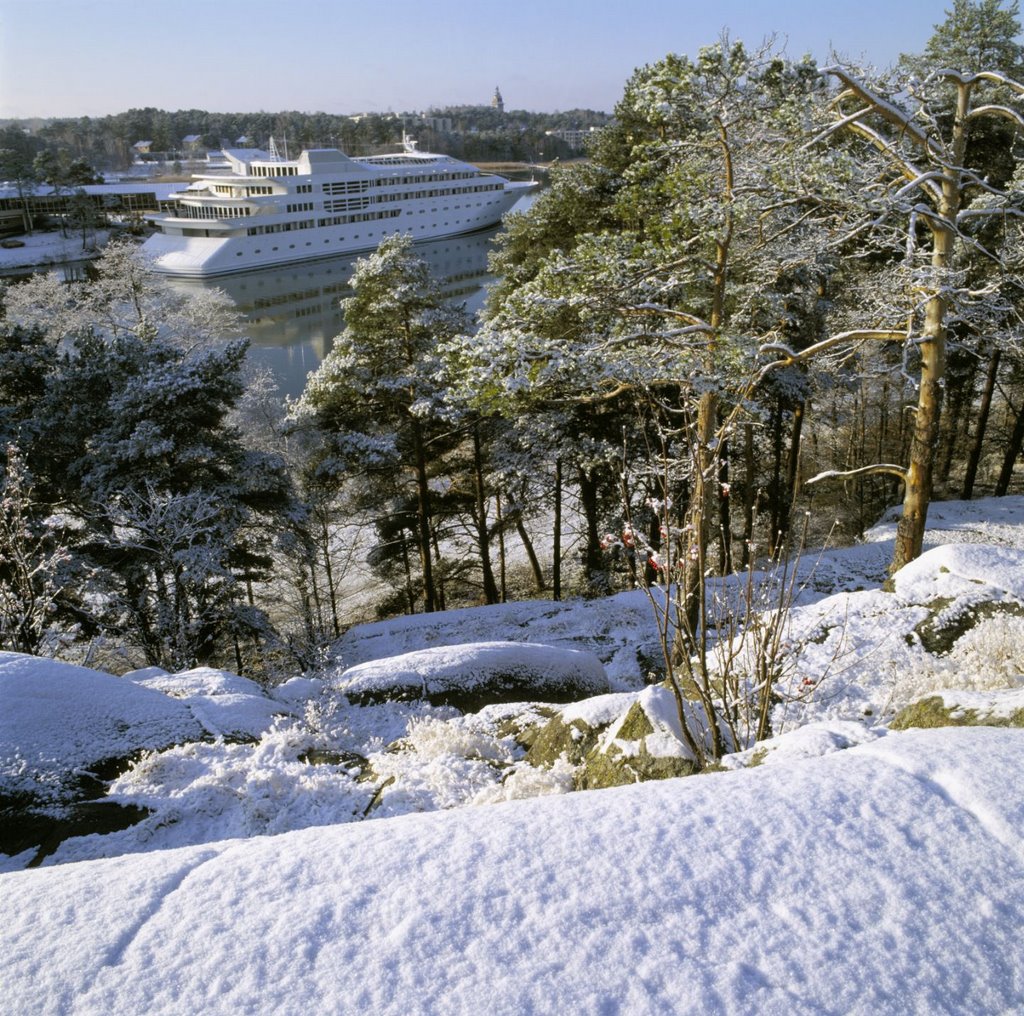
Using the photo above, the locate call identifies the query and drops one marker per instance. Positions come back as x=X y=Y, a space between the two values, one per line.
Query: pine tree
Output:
x=127 y=434
x=927 y=210
x=376 y=398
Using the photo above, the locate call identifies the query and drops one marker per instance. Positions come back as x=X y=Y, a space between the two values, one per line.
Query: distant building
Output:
x=114 y=199
x=498 y=102
x=441 y=124
x=143 y=147
x=414 y=121
x=13 y=220
x=575 y=138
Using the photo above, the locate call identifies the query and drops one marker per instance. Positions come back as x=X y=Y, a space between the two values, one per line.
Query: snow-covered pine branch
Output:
x=1003 y=111
x=878 y=468
x=889 y=111
x=790 y=356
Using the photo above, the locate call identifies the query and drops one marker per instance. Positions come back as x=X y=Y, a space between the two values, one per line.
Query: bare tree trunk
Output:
x=701 y=511
x=439 y=592
x=593 y=561
x=911 y=527
x=423 y=518
x=410 y=594
x=959 y=396
x=531 y=554
x=749 y=493
x=979 y=434
x=793 y=464
x=556 y=550
x=918 y=490
x=332 y=593
x=502 y=559
x=725 y=523
x=1012 y=454
x=774 y=505
x=482 y=537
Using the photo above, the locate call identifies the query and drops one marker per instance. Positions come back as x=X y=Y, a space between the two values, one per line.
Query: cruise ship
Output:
x=267 y=210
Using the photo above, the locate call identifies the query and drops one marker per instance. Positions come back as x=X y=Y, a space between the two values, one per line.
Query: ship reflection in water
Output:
x=293 y=312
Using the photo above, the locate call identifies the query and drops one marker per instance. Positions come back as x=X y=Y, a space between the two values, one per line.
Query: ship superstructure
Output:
x=269 y=210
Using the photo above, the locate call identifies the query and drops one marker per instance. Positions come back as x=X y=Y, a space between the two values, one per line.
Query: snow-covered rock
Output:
x=224 y=704
x=478 y=674
x=961 y=569
x=811 y=741
x=298 y=690
x=616 y=629
x=56 y=718
x=573 y=731
x=644 y=743
x=964 y=708
x=198 y=681
x=880 y=880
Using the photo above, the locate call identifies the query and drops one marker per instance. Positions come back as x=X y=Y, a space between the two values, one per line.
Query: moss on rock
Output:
x=938 y=635
x=624 y=754
x=636 y=725
x=556 y=738
x=934 y=712
x=614 y=768
x=525 y=728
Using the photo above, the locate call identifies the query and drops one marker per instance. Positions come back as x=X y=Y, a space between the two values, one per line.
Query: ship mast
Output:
x=275 y=155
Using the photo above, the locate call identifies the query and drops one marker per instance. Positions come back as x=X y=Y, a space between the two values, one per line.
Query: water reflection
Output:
x=294 y=314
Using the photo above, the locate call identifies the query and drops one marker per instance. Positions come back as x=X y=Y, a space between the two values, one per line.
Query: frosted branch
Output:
x=1004 y=111
x=838 y=125
x=1001 y=79
x=883 y=468
x=919 y=181
x=788 y=355
x=977 y=213
x=906 y=167
x=885 y=109
x=695 y=323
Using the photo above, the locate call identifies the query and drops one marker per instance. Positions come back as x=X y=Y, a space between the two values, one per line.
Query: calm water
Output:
x=294 y=314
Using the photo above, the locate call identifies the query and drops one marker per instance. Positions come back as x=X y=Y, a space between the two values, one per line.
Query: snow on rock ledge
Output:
x=958 y=569
x=225 y=704
x=885 y=879
x=56 y=717
x=957 y=707
x=478 y=674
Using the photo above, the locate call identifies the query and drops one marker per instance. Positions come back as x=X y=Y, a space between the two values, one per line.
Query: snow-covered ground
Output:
x=300 y=852
x=50 y=248
x=883 y=879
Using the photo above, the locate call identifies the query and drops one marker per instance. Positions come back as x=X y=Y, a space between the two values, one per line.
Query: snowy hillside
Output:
x=883 y=879
x=196 y=843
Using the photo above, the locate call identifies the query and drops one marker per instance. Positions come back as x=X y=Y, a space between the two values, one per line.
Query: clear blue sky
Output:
x=93 y=57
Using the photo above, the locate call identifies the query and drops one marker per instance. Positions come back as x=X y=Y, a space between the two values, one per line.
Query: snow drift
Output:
x=881 y=879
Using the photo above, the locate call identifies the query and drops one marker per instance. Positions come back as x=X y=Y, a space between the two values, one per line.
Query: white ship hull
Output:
x=275 y=212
